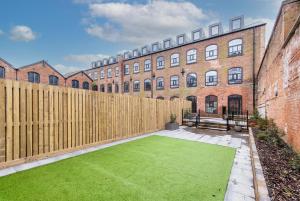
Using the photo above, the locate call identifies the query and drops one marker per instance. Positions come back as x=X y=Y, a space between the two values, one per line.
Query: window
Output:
x=211 y=52
x=126 y=87
x=160 y=85
x=2 y=72
x=117 y=72
x=236 y=23
x=211 y=104
x=135 y=53
x=136 y=85
x=167 y=43
x=75 y=84
x=197 y=34
x=235 y=75
x=215 y=29
x=136 y=67
x=191 y=56
x=174 y=82
x=155 y=47
x=85 y=85
x=175 y=59
x=145 y=50
x=126 y=69
x=102 y=74
x=53 y=80
x=147 y=85
x=211 y=78
x=180 y=39
x=160 y=62
x=235 y=47
x=109 y=88
x=116 y=88
x=235 y=104
x=105 y=61
x=147 y=66
x=191 y=80
x=33 y=77
x=102 y=88
x=109 y=74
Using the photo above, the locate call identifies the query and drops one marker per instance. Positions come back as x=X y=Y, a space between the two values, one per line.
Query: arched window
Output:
x=191 y=80
x=147 y=85
x=235 y=47
x=160 y=84
x=136 y=85
x=102 y=88
x=235 y=75
x=53 y=80
x=109 y=74
x=173 y=97
x=109 y=88
x=126 y=69
x=175 y=59
x=211 y=78
x=116 y=88
x=136 y=67
x=160 y=62
x=211 y=104
x=191 y=56
x=95 y=87
x=211 y=52
x=174 y=81
x=147 y=66
x=126 y=87
x=234 y=104
x=85 y=85
x=2 y=72
x=102 y=74
x=160 y=98
x=33 y=77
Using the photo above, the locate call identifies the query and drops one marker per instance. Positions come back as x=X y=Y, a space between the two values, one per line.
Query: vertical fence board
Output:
x=2 y=121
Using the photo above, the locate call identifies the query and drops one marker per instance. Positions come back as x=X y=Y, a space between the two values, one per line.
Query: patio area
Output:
x=202 y=160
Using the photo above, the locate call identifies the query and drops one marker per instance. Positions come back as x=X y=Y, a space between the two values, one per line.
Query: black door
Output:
x=194 y=103
x=234 y=104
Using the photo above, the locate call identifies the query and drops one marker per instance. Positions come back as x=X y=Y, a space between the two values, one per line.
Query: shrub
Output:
x=255 y=115
x=173 y=118
x=262 y=135
x=262 y=123
x=295 y=163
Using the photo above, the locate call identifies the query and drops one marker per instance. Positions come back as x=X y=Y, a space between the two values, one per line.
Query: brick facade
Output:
x=81 y=77
x=43 y=69
x=9 y=70
x=252 y=52
x=278 y=91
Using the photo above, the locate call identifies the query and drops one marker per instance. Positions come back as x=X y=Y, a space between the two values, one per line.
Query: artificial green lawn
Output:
x=150 y=169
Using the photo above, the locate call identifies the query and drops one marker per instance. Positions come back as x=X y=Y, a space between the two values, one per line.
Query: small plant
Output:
x=173 y=118
x=295 y=163
x=262 y=123
x=262 y=135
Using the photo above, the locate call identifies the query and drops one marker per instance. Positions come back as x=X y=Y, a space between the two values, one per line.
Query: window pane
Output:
x=211 y=52
x=191 y=80
x=174 y=81
x=211 y=104
x=235 y=75
x=2 y=72
x=147 y=85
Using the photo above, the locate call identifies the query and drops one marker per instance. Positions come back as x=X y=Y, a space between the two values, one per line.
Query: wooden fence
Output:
x=39 y=120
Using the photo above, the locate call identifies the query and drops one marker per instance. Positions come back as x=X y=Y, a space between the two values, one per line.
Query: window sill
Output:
x=235 y=55
x=207 y=59
x=174 y=87
x=192 y=62
x=147 y=70
x=172 y=66
x=160 y=89
x=160 y=68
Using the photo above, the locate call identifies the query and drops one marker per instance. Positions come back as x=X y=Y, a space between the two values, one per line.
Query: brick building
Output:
x=78 y=79
x=216 y=72
x=7 y=71
x=40 y=72
x=278 y=91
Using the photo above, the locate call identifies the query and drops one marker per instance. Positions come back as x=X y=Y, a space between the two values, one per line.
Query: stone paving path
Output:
x=240 y=186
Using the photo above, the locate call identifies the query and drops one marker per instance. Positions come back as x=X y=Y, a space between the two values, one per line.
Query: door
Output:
x=193 y=99
x=235 y=104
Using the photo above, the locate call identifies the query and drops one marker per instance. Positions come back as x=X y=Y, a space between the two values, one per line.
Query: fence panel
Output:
x=39 y=120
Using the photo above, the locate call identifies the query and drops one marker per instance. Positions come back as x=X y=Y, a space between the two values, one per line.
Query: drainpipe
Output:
x=253 y=67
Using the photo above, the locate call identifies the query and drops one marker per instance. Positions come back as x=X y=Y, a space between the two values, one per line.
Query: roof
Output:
x=71 y=74
x=3 y=60
x=39 y=62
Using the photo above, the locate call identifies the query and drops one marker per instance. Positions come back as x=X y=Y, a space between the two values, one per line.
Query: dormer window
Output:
x=144 y=50
x=236 y=23
x=197 y=35
x=136 y=67
x=180 y=39
x=211 y=52
x=167 y=43
x=147 y=66
x=111 y=60
x=135 y=53
x=215 y=29
x=126 y=55
x=155 y=47
x=105 y=62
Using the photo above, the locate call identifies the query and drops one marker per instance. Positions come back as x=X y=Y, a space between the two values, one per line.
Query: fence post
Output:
x=182 y=113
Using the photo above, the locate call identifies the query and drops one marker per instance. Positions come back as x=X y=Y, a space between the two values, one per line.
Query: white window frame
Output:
x=160 y=62
x=136 y=68
x=147 y=65
x=211 y=52
x=109 y=73
x=126 y=69
x=102 y=74
x=171 y=81
x=235 y=47
x=211 y=78
x=160 y=79
x=117 y=72
x=175 y=59
x=191 y=56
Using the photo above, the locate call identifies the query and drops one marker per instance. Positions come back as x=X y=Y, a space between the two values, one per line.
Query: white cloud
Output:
x=85 y=59
x=1 y=32
x=269 y=26
x=66 y=69
x=22 y=33
x=143 y=23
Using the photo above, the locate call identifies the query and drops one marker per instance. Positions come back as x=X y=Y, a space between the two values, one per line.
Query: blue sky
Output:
x=69 y=34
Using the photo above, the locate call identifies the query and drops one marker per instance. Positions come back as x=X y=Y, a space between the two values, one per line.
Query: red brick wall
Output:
x=81 y=77
x=10 y=72
x=280 y=72
x=43 y=69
